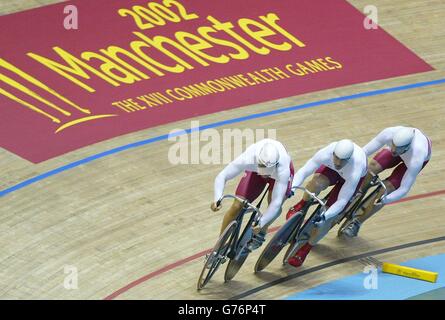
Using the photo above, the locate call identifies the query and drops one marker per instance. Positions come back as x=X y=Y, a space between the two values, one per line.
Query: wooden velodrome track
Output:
x=136 y=226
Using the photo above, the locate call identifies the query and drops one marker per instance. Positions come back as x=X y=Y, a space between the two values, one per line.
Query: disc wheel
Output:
x=279 y=241
x=234 y=266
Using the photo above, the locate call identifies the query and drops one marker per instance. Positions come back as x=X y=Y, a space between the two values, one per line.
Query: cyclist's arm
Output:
x=376 y=143
x=309 y=168
x=233 y=169
x=229 y=172
x=407 y=182
x=274 y=209
x=345 y=194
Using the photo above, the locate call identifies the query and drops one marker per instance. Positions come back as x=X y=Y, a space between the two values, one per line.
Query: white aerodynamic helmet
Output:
x=344 y=149
x=403 y=137
x=268 y=155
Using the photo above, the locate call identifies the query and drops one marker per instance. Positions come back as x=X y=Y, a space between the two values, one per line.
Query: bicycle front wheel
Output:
x=217 y=255
x=299 y=240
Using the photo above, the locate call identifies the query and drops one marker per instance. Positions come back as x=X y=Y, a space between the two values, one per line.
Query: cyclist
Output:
x=342 y=165
x=408 y=150
x=264 y=163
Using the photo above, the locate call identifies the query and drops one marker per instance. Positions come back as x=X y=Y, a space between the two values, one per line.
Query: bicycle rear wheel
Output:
x=238 y=258
x=350 y=216
x=217 y=255
x=279 y=241
x=234 y=266
x=344 y=225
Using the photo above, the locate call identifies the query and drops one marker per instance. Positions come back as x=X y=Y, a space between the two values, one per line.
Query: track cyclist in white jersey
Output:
x=264 y=163
x=408 y=150
x=341 y=164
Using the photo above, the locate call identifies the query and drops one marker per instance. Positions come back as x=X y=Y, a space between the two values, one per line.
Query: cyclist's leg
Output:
x=323 y=178
x=374 y=168
x=249 y=187
x=392 y=183
x=231 y=214
x=318 y=183
x=318 y=233
x=262 y=233
x=259 y=237
x=382 y=161
x=329 y=178
x=368 y=209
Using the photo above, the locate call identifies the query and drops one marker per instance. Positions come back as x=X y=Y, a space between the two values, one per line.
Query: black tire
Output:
x=220 y=249
x=279 y=241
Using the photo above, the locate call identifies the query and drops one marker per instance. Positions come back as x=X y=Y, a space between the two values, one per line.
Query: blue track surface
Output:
x=389 y=287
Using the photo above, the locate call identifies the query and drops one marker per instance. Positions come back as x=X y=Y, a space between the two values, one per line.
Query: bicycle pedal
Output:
x=221 y=256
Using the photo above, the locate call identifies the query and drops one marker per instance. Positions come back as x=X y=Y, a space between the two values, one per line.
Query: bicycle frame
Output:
x=376 y=181
x=348 y=213
x=228 y=243
x=235 y=250
x=321 y=205
x=256 y=216
x=296 y=237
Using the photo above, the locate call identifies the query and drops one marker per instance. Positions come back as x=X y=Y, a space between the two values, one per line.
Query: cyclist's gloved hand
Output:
x=215 y=206
x=256 y=229
x=292 y=192
x=379 y=204
x=319 y=220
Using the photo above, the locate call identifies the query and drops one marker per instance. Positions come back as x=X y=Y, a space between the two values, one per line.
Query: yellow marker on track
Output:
x=410 y=272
